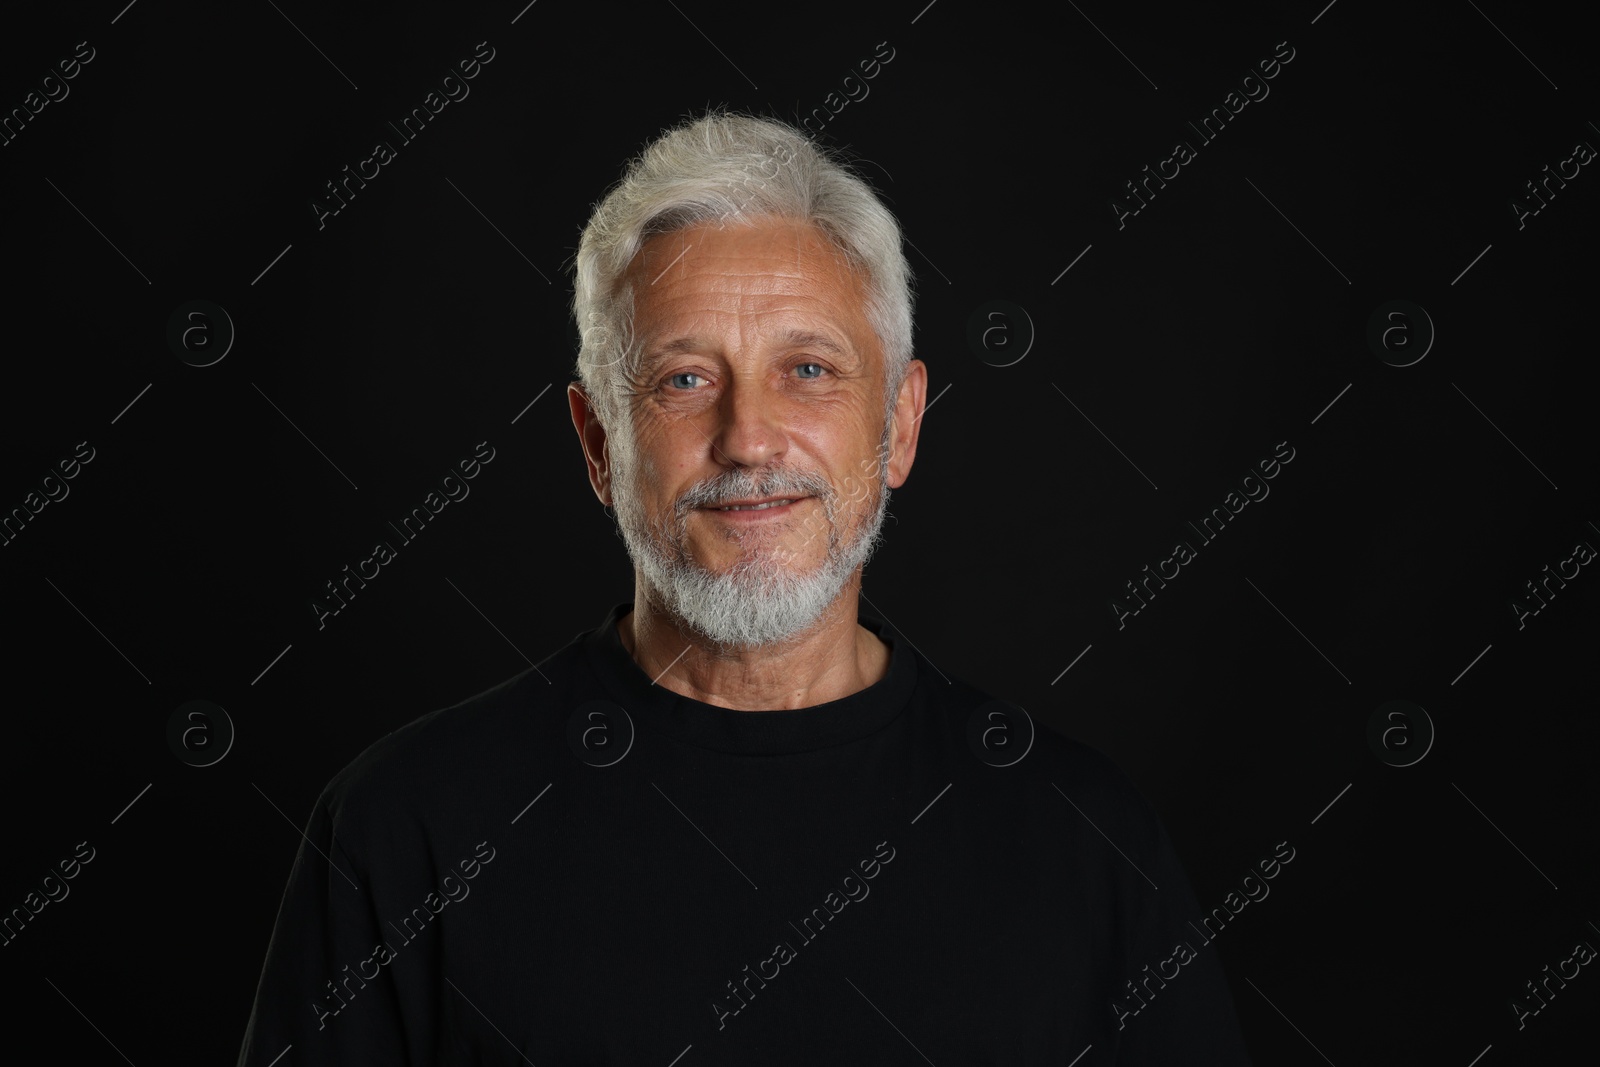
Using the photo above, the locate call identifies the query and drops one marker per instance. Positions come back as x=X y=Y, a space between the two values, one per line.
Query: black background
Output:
x=1222 y=319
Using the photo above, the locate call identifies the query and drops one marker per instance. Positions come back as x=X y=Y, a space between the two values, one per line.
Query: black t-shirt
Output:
x=579 y=866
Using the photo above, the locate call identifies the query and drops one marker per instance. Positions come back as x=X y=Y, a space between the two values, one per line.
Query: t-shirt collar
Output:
x=837 y=722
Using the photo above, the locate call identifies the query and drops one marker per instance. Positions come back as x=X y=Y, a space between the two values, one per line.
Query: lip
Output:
x=756 y=516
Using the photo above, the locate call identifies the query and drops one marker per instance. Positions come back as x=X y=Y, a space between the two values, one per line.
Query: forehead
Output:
x=770 y=276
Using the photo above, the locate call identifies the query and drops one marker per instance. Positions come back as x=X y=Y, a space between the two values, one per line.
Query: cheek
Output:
x=666 y=434
x=844 y=450
x=642 y=451
x=841 y=431
x=664 y=460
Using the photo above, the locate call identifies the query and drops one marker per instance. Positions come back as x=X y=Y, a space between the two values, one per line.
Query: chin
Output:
x=786 y=548
x=750 y=604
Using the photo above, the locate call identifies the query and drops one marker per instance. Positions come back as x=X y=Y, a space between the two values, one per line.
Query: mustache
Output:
x=740 y=485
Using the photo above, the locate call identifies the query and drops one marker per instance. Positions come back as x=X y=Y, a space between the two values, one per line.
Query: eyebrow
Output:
x=812 y=339
x=789 y=339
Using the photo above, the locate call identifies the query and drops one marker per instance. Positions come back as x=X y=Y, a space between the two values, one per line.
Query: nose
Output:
x=749 y=430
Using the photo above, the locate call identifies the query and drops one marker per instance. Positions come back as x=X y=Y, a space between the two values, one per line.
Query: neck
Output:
x=835 y=658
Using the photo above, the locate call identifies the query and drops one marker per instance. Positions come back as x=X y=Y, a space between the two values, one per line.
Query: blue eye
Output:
x=816 y=365
x=686 y=374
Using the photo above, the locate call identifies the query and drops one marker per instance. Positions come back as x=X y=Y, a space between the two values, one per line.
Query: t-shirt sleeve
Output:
x=323 y=988
x=1179 y=1010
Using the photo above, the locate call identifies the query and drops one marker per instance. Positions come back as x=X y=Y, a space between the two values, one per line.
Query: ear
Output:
x=907 y=422
x=592 y=436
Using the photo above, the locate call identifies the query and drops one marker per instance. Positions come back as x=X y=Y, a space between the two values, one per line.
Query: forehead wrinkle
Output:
x=818 y=275
x=805 y=242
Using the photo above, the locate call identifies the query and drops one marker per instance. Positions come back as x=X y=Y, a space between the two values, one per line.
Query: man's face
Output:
x=761 y=380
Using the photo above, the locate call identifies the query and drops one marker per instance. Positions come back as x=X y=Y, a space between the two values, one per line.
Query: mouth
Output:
x=776 y=505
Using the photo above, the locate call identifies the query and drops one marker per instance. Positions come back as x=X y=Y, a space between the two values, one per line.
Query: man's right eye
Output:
x=677 y=380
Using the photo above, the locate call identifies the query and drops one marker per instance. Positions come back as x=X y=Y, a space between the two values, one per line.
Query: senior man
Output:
x=739 y=822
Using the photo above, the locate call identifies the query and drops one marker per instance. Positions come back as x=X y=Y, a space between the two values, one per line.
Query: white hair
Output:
x=730 y=167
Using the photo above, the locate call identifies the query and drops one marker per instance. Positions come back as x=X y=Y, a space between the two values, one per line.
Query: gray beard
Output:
x=762 y=599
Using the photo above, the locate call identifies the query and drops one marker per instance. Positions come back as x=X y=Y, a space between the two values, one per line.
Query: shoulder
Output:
x=961 y=705
x=453 y=758
x=1088 y=770
x=1003 y=734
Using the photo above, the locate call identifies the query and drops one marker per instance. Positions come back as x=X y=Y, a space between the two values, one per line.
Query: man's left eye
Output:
x=802 y=367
